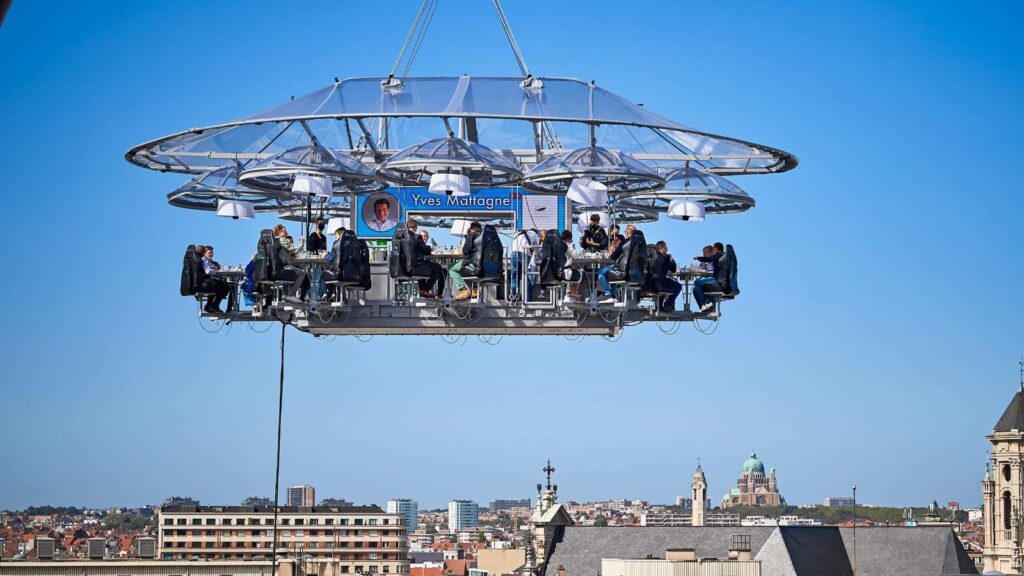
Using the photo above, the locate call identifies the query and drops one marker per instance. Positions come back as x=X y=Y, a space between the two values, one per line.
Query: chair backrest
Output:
x=266 y=256
x=492 y=254
x=734 y=286
x=188 y=279
x=397 y=266
x=633 y=261
x=349 y=259
x=553 y=258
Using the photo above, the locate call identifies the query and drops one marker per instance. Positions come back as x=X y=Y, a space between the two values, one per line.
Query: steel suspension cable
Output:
x=408 y=37
x=511 y=39
x=419 y=39
x=277 y=466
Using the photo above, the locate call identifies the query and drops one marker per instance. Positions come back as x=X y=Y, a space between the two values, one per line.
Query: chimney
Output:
x=560 y=570
x=681 y=555
x=740 y=554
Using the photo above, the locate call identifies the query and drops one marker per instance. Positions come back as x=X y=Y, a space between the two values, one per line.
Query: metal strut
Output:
x=277 y=466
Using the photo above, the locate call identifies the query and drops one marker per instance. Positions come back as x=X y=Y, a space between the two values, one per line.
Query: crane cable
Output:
x=277 y=466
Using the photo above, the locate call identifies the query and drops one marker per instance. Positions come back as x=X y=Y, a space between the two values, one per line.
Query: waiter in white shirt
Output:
x=383 y=220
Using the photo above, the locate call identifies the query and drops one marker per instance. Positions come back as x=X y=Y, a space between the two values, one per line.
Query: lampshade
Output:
x=316 y=186
x=584 y=220
x=334 y=223
x=686 y=210
x=235 y=209
x=452 y=184
x=460 y=227
x=588 y=192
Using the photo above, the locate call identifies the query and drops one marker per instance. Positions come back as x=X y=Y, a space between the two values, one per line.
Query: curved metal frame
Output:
x=411 y=168
x=620 y=172
x=145 y=154
x=278 y=179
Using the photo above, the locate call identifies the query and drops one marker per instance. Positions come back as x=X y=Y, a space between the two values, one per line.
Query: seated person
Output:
x=210 y=284
x=594 y=239
x=468 y=264
x=568 y=272
x=286 y=271
x=614 y=255
x=614 y=251
x=332 y=268
x=665 y=264
x=416 y=248
x=713 y=256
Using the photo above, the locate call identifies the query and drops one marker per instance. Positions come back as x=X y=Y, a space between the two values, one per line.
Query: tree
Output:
x=600 y=520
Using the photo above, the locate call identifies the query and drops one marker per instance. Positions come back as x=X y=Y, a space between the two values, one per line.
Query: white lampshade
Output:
x=316 y=186
x=686 y=210
x=447 y=183
x=584 y=220
x=587 y=192
x=235 y=209
x=334 y=223
x=460 y=227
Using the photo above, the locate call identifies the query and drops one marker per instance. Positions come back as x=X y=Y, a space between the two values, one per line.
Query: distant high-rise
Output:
x=498 y=505
x=257 y=501
x=301 y=495
x=834 y=501
x=407 y=508
x=463 y=514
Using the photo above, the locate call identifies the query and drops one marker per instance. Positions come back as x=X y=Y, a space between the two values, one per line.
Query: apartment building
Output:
x=358 y=539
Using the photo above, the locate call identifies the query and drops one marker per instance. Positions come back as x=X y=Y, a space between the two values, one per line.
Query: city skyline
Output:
x=859 y=353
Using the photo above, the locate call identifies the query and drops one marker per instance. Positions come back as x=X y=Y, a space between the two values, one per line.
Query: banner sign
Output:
x=378 y=214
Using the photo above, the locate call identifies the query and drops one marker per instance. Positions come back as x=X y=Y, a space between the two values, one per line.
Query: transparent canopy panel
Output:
x=618 y=171
x=277 y=173
x=362 y=118
x=719 y=195
x=204 y=191
x=335 y=207
x=416 y=164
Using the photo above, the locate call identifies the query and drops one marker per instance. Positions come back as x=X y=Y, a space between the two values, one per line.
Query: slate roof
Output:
x=783 y=551
x=805 y=550
x=1013 y=416
x=919 y=551
x=581 y=548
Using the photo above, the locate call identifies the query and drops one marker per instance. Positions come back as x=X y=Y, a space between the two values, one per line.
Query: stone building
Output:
x=754 y=487
x=1003 y=489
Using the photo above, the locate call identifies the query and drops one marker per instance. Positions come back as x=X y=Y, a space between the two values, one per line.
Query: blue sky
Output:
x=875 y=342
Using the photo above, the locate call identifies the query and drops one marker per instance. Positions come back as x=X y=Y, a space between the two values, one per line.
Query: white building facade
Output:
x=463 y=514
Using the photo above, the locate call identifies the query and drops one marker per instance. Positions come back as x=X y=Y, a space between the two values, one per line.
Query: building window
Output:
x=1006 y=472
x=314 y=521
x=210 y=521
x=344 y=569
x=181 y=522
x=343 y=522
x=197 y=522
x=299 y=533
x=299 y=521
x=359 y=521
x=168 y=522
x=329 y=521
x=373 y=521
x=1007 y=511
x=286 y=521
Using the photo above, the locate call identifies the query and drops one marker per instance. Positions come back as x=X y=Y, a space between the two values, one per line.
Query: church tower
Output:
x=699 y=492
x=1003 y=489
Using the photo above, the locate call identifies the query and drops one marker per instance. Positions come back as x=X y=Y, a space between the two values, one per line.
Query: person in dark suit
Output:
x=665 y=264
x=416 y=248
x=208 y=283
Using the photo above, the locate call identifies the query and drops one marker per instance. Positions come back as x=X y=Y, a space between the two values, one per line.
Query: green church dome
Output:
x=753 y=464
